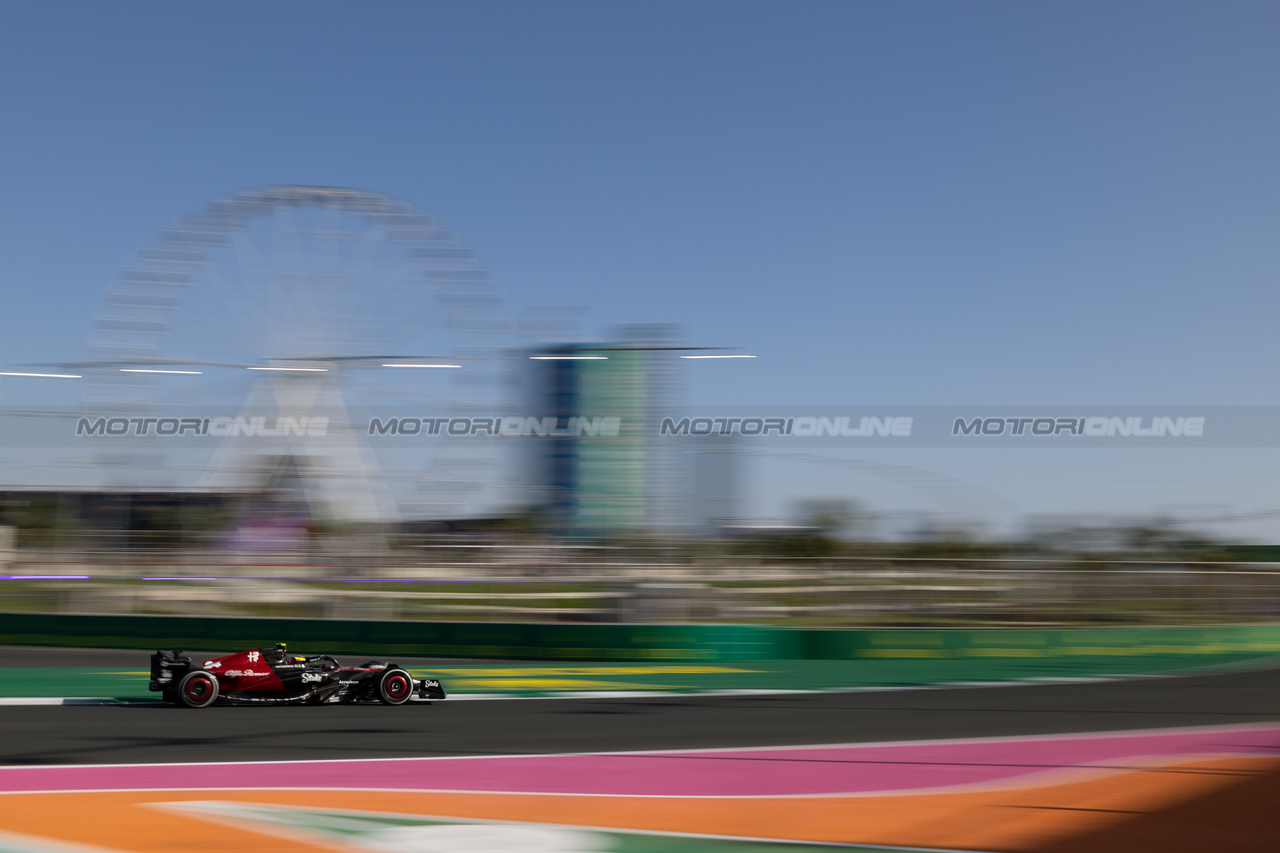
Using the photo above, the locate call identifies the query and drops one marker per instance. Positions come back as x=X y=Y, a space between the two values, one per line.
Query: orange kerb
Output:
x=1012 y=819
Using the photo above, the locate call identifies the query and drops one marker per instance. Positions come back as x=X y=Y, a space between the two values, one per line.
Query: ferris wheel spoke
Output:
x=234 y=323
x=236 y=295
x=380 y=300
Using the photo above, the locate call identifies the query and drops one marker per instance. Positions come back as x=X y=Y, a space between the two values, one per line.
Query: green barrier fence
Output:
x=692 y=643
x=422 y=639
x=1014 y=643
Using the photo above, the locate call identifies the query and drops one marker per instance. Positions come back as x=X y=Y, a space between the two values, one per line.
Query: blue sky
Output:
x=899 y=203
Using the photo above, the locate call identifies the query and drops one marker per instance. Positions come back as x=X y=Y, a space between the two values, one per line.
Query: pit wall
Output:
x=689 y=643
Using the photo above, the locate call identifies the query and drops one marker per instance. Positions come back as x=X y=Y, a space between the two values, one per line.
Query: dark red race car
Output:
x=273 y=676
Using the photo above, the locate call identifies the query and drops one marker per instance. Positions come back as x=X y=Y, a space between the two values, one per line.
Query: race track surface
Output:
x=158 y=733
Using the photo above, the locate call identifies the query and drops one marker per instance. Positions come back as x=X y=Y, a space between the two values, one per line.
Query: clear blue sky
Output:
x=904 y=203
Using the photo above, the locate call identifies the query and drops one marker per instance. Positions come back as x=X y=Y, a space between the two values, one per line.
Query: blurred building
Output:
x=633 y=482
x=104 y=519
x=718 y=483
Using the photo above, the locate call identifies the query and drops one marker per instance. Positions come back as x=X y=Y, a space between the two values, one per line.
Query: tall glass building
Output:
x=631 y=482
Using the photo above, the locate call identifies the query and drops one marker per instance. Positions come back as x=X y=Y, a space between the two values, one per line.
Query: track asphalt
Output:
x=160 y=733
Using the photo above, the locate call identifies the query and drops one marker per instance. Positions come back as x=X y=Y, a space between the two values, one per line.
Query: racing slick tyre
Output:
x=395 y=687
x=197 y=689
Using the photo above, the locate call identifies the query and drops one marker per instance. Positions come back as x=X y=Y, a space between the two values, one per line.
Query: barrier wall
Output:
x=1013 y=643
x=422 y=639
x=619 y=642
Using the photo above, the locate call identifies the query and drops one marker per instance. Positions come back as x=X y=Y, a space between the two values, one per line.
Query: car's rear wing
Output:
x=167 y=667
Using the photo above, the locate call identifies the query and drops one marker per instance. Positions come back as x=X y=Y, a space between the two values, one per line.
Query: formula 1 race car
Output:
x=275 y=677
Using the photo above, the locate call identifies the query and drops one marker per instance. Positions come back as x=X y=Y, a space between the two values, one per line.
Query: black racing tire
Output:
x=198 y=689
x=395 y=687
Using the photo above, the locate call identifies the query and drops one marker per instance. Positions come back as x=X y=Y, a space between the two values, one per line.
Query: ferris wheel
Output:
x=308 y=299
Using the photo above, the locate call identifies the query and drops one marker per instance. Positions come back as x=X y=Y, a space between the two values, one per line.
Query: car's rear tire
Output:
x=198 y=689
x=395 y=687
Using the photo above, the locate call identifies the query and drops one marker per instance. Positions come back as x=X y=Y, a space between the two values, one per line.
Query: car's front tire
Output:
x=395 y=687
x=198 y=689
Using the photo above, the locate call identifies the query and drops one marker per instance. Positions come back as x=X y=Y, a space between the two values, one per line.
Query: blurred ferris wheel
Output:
x=310 y=299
